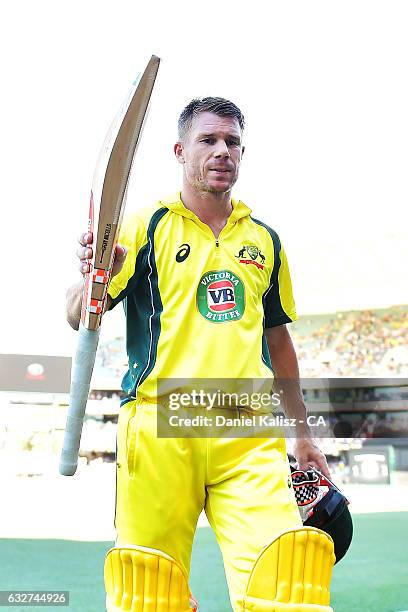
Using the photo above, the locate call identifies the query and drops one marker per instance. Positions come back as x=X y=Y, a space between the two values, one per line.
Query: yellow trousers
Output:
x=163 y=484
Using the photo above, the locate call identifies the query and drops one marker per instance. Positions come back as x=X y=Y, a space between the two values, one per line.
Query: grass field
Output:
x=372 y=578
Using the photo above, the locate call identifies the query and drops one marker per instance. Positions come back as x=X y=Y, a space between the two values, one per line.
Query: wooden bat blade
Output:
x=109 y=190
x=105 y=214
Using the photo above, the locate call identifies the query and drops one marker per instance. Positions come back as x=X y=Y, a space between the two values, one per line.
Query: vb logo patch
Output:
x=221 y=296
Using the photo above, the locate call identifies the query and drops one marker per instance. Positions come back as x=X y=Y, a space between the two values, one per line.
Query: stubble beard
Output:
x=200 y=185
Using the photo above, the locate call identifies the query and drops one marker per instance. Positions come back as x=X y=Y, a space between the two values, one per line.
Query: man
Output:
x=196 y=308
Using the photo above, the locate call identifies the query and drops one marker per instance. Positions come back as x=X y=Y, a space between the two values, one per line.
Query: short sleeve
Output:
x=279 y=304
x=133 y=236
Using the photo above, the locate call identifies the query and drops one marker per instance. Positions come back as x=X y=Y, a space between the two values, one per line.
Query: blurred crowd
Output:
x=363 y=343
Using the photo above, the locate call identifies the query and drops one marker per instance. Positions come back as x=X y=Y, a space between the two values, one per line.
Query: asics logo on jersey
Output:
x=183 y=253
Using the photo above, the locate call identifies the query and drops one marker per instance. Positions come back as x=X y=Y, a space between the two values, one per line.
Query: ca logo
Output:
x=183 y=253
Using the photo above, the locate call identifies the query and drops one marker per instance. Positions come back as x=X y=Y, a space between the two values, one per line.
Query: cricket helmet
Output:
x=321 y=504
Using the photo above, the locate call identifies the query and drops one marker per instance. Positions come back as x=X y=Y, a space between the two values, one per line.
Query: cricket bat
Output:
x=106 y=208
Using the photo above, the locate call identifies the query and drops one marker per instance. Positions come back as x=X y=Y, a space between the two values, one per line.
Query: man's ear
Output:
x=179 y=152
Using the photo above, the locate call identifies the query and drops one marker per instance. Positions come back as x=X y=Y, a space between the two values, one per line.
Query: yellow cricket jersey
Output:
x=197 y=306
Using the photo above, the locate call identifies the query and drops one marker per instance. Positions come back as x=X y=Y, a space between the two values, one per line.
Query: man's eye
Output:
x=208 y=140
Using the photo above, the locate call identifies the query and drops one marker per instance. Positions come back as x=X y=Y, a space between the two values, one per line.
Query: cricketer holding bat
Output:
x=196 y=308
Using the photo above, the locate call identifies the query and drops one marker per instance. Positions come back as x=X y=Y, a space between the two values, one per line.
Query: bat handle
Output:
x=80 y=382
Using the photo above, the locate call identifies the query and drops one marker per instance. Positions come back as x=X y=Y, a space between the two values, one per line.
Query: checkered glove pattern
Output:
x=308 y=491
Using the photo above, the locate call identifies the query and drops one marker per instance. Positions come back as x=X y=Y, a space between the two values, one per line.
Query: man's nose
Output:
x=221 y=149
